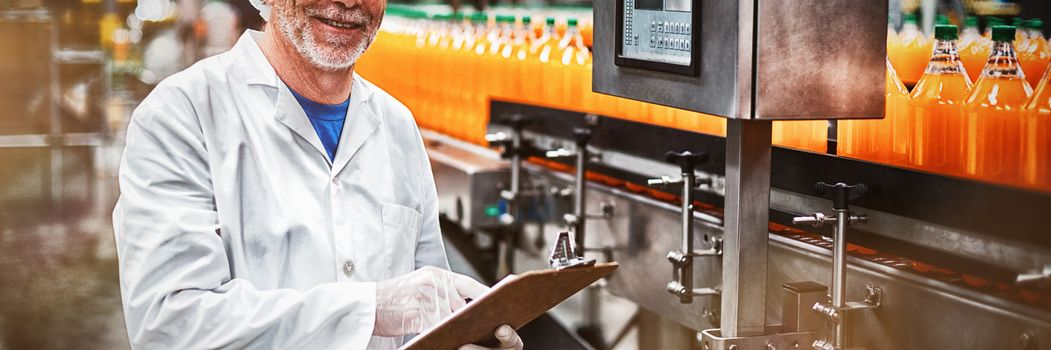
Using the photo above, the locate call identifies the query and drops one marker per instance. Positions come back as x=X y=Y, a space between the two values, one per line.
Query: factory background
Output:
x=486 y=94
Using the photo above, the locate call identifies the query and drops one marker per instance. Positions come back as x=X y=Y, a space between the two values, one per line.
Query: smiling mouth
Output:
x=337 y=24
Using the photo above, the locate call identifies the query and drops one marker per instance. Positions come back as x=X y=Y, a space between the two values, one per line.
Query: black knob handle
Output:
x=686 y=160
x=840 y=193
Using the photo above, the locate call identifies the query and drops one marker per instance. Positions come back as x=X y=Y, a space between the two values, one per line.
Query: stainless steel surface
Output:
x=713 y=91
x=764 y=60
x=712 y=339
x=796 y=303
x=746 y=220
x=916 y=312
x=820 y=59
x=469 y=179
x=992 y=250
x=839 y=275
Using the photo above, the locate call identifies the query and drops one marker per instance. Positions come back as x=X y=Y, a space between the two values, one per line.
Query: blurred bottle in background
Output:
x=1033 y=52
x=911 y=52
x=884 y=140
x=1036 y=139
x=974 y=48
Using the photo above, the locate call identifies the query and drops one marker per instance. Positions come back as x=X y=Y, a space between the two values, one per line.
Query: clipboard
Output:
x=513 y=302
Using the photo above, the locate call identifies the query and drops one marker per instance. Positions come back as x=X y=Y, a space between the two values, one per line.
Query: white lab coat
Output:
x=233 y=228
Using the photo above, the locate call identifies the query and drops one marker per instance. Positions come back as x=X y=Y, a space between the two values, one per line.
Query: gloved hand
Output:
x=507 y=336
x=419 y=300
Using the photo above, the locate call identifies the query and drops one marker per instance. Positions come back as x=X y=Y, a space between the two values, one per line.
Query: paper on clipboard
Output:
x=513 y=301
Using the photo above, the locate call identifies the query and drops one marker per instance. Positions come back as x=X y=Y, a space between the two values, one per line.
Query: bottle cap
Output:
x=1003 y=33
x=527 y=20
x=572 y=22
x=945 y=32
x=505 y=19
x=457 y=16
x=993 y=21
x=909 y=18
x=550 y=21
x=970 y=21
x=942 y=19
x=479 y=17
x=1035 y=23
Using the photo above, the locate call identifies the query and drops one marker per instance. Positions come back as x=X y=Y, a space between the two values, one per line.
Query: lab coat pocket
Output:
x=401 y=230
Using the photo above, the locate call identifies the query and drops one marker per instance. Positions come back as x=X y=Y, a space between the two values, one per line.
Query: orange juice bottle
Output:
x=1036 y=137
x=498 y=54
x=937 y=108
x=810 y=135
x=912 y=52
x=547 y=54
x=879 y=140
x=974 y=48
x=523 y=59
x=994 y=116
x=1033 y=54
x=573 y=61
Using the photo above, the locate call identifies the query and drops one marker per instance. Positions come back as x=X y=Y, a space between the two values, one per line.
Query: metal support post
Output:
x=746 y=221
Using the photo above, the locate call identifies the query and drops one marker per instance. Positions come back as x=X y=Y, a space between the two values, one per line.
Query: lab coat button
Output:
x=348 y=268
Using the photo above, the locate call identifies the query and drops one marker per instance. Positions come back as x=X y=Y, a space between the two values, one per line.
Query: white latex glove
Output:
x=419 y=300
x=507 y=336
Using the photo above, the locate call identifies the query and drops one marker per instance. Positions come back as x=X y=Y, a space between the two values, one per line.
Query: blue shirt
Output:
x=326 y=119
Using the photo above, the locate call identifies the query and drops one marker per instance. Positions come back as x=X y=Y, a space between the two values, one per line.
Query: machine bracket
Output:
x=711 y=339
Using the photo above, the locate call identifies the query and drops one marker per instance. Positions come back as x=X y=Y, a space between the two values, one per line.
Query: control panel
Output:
x=658 y=35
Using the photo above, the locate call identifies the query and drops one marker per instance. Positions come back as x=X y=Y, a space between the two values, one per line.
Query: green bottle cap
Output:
x=572 y=22
x=945 y=32
x=479 y=17
x=527 y=20
x=910 y=18
x=970 y=22
x=1003 y=33
x=505 y=19
x=457 y=16
x=942 y=19
x=550 y=21
x=1017 y=22
x=993 y=21
x=1035 y=23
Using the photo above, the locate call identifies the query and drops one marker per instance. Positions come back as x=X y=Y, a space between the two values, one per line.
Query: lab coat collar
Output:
x=361 y=120
x=256 y=69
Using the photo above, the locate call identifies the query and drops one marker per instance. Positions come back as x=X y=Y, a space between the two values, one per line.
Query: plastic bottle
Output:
x=994 y=119
x=574 y=61
x=883 y=140
x=522 y=60
x=974 y=48
x=912 y=52
x=1033 y=54
x=937 y=108
x=1036 y=137
x=550 y=66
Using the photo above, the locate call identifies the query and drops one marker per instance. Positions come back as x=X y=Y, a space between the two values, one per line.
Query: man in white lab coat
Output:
x=271 y=198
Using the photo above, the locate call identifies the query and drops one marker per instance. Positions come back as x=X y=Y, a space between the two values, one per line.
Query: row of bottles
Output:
x=996 y=129
x=910 y=49
x=447 y=67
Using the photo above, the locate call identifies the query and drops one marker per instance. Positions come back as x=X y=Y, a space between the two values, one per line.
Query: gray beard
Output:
x=307 y=44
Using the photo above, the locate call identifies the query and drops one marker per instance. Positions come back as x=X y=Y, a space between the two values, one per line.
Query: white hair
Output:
x=264 y=9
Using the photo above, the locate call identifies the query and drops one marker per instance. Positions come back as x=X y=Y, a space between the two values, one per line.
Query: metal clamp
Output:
x=577 y=220
x=835 y=311
x=682 y=260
